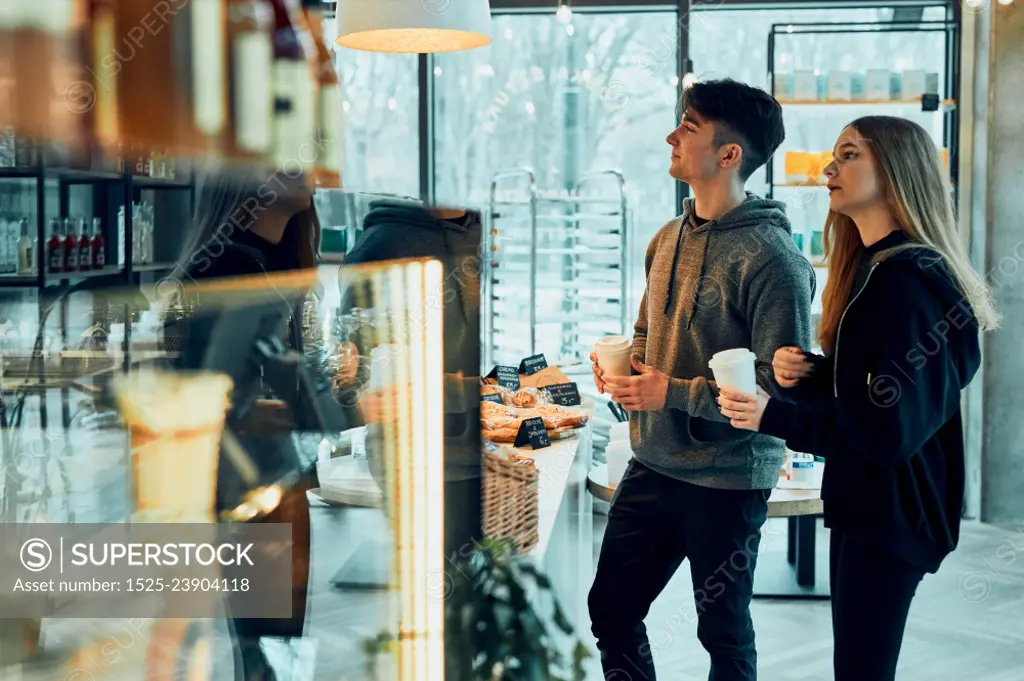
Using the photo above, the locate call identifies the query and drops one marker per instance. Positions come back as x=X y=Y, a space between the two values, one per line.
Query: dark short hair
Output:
x=745 y=115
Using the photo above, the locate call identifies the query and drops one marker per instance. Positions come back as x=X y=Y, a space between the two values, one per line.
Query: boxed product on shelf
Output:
x=797 y=163
x=931 y=83
x=896 y=85
x=913 y=84
x=783 y=87
x=805 y=85
x=858 y=86
x=840 y=86
x=877 y=85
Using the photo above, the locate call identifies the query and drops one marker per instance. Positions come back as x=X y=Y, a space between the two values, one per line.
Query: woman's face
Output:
x=855 y=183
x=295 y=192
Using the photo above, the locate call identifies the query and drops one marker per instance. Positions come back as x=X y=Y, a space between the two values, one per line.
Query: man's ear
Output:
x=730 y=156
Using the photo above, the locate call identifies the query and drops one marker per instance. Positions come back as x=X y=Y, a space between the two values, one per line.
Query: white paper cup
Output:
x=619 y=432
x=735 y=369
x=613 y=355
x=617 y=455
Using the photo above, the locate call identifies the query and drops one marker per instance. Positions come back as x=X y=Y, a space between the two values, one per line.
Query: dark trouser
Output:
x=463 y=503
x=654 y=523
x=871 y=595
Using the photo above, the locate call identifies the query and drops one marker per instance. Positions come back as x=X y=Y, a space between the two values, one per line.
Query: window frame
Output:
x=427 y=141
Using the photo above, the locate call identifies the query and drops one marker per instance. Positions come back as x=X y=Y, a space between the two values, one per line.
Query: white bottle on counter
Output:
x=5 y=256
x=26 y=251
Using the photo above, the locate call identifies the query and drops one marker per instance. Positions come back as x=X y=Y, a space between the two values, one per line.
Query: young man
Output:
x=723 y=275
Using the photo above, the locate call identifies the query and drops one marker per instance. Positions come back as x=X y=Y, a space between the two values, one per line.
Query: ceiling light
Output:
x=413 y=26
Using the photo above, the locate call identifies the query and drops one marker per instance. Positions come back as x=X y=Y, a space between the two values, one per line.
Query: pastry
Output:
x=543 y=378
x=529 y=397
x=494 y=389
x=504 y=434
x=493 y=409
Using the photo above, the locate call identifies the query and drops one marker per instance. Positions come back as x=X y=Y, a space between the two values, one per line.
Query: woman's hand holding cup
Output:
x=790 y=366
x=598 y=373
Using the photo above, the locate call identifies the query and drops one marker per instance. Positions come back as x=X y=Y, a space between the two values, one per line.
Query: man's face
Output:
x=695 y=155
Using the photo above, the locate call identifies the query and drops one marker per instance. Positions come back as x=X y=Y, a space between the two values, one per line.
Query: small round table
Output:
x=784 y=503
x=801 y=506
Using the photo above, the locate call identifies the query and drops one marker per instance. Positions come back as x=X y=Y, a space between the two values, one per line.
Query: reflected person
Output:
x=250 y=223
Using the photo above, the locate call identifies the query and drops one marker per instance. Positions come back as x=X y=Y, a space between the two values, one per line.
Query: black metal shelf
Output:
x=74 y=176
x=159 y=183
x=71 y=176
x=153 y=267
x=946 y=103
x=19 y=280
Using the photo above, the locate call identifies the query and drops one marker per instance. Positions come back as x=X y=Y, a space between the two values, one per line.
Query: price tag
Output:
x=492 y=398
x=930 y=103
x=532 y=432
x=506 y=376
x=564 y=394
x=532 y=365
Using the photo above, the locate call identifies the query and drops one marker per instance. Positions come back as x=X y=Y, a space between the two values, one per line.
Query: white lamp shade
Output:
x=413 y=26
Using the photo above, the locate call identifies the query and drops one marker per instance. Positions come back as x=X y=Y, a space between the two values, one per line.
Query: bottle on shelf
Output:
x=4 y=255
x=70 y=246
x=26 y=250
x=145 y=232
x=98 y=248
x=250 y=35
x=84 y=246
x=136 y=233
x=55 y=247
x=121 y=236
x=294 y=86
x=329 y=112
x=12 y=235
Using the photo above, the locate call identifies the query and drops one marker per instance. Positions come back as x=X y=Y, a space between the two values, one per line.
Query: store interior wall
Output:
x=1003 y=447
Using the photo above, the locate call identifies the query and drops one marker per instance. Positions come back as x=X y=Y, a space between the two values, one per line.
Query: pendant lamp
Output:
x=413 y=26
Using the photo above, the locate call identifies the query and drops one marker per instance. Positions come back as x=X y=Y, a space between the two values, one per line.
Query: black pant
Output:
x=654 y=523
x=871 y=595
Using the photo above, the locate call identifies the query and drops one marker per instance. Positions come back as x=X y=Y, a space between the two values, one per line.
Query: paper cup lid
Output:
x=613 y=343
x=732 y=356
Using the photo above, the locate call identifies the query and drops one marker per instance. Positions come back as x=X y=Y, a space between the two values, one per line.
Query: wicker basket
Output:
x=510 y=504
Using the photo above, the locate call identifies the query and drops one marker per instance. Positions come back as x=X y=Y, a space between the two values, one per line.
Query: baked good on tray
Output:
x=530 y=397
x=501 y=423
x=543 y=378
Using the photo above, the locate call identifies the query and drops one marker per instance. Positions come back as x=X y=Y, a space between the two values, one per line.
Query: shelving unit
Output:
x=944 y=105
x=110 y=189
x=555 y=276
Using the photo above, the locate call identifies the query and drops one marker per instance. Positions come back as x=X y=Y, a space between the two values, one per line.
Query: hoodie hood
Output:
x=398 y=213
x=931 y=269
x=395 y=228
x=692 y=243
x=753 y=212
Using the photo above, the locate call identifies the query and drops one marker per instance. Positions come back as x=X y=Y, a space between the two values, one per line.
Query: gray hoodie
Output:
x=735 y=282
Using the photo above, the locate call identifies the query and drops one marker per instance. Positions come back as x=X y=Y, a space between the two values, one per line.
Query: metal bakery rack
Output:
x=556 y=276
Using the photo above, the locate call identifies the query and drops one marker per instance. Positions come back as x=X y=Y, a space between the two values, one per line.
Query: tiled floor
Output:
x=966 y=624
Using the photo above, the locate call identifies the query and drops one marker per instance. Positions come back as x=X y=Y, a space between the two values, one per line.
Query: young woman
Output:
x=253 y=222
x=900 y=331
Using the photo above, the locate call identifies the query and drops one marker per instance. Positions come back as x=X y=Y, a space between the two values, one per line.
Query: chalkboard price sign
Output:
x=532 y=365
x=506 y=376
x=533 y=433
x=492 y=398
x=565 y=394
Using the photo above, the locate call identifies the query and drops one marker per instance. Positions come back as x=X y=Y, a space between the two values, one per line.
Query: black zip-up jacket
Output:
x=884 y=408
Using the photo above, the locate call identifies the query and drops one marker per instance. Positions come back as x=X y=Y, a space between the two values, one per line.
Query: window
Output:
x=599 y=93
x=381 y=104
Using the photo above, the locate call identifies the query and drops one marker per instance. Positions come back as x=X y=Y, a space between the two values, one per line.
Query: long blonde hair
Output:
x=919 y=199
